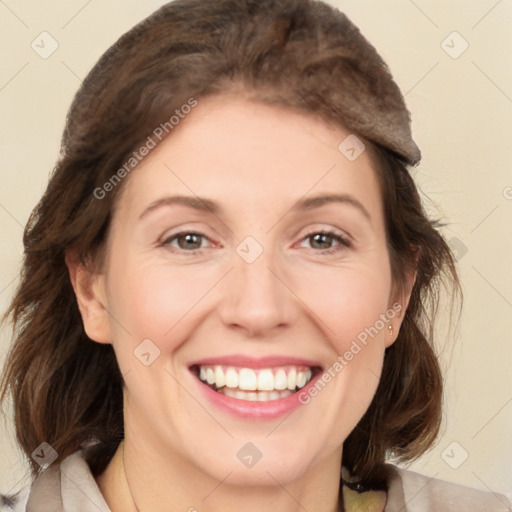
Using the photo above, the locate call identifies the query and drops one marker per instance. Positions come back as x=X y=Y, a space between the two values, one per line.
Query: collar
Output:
x=360 y=501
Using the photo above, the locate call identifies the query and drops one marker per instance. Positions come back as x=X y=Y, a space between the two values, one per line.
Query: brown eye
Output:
x=327 y=241
x=321 y=241
x=187 y=241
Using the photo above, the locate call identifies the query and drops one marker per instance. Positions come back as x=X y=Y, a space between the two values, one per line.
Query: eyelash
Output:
x=343 y=240
x=338 y=237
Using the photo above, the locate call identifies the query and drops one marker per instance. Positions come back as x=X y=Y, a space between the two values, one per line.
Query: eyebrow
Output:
x=318 y=201
x=208 y=205
x=197 y=203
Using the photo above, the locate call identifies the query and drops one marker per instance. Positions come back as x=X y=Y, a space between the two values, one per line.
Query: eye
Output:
x=191 y=241
x=188 y=241
x=323 y=240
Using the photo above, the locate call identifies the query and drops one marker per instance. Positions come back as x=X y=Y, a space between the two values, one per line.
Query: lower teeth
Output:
x=254 y=396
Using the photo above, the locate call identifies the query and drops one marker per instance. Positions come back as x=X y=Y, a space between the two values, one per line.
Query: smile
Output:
x=254 y=388
x=257 y=385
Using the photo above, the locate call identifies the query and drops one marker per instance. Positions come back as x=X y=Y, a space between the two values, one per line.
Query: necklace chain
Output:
x=126 y=478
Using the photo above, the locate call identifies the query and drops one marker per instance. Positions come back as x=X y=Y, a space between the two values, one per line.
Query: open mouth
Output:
x=255 y=384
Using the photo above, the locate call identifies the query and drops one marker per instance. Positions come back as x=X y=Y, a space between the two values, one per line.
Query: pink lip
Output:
x=243 y=361
x=255 y=410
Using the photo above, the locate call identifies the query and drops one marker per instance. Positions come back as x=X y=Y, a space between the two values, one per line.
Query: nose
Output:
x=256 y=298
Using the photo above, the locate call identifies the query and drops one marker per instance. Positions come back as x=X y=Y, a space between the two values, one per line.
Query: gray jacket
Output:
x=70 y=487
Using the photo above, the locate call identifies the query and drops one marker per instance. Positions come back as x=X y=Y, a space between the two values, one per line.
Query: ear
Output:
x=90 y=292
x=400 y=300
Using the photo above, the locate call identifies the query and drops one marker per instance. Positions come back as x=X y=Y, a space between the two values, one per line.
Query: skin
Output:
x=256 y=161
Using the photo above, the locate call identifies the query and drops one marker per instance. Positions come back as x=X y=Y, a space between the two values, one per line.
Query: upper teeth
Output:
x=264 y=379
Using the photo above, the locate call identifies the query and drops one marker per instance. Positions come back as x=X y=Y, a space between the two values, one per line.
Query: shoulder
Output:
x=413 y=492
x=66 y=487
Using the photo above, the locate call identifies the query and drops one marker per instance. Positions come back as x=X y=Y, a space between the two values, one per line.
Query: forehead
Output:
x=251 y=155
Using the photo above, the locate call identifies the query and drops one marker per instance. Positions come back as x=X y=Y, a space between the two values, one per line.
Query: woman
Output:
x=275 y=362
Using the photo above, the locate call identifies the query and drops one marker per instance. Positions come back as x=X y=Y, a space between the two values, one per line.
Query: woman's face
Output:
x=235 y=284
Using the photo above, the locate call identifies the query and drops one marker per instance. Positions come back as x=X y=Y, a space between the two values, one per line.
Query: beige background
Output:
x=462 y=111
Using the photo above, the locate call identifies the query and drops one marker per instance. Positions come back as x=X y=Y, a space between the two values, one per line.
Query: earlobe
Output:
x=90 y=293
x=406 y=297
x=401 y=302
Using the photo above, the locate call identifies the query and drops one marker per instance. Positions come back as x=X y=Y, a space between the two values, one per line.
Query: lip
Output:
x=244 y=361
x=254 y=410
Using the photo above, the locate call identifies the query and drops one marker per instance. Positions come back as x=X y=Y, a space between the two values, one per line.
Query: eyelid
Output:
x=328 y=229
x=167 y=239
x=343 y=239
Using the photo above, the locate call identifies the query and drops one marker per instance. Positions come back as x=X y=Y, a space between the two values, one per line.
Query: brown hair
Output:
x=300 y=54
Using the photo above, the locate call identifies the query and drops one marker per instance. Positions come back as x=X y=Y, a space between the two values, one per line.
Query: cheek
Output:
x=349 y=302
x=150 y=300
